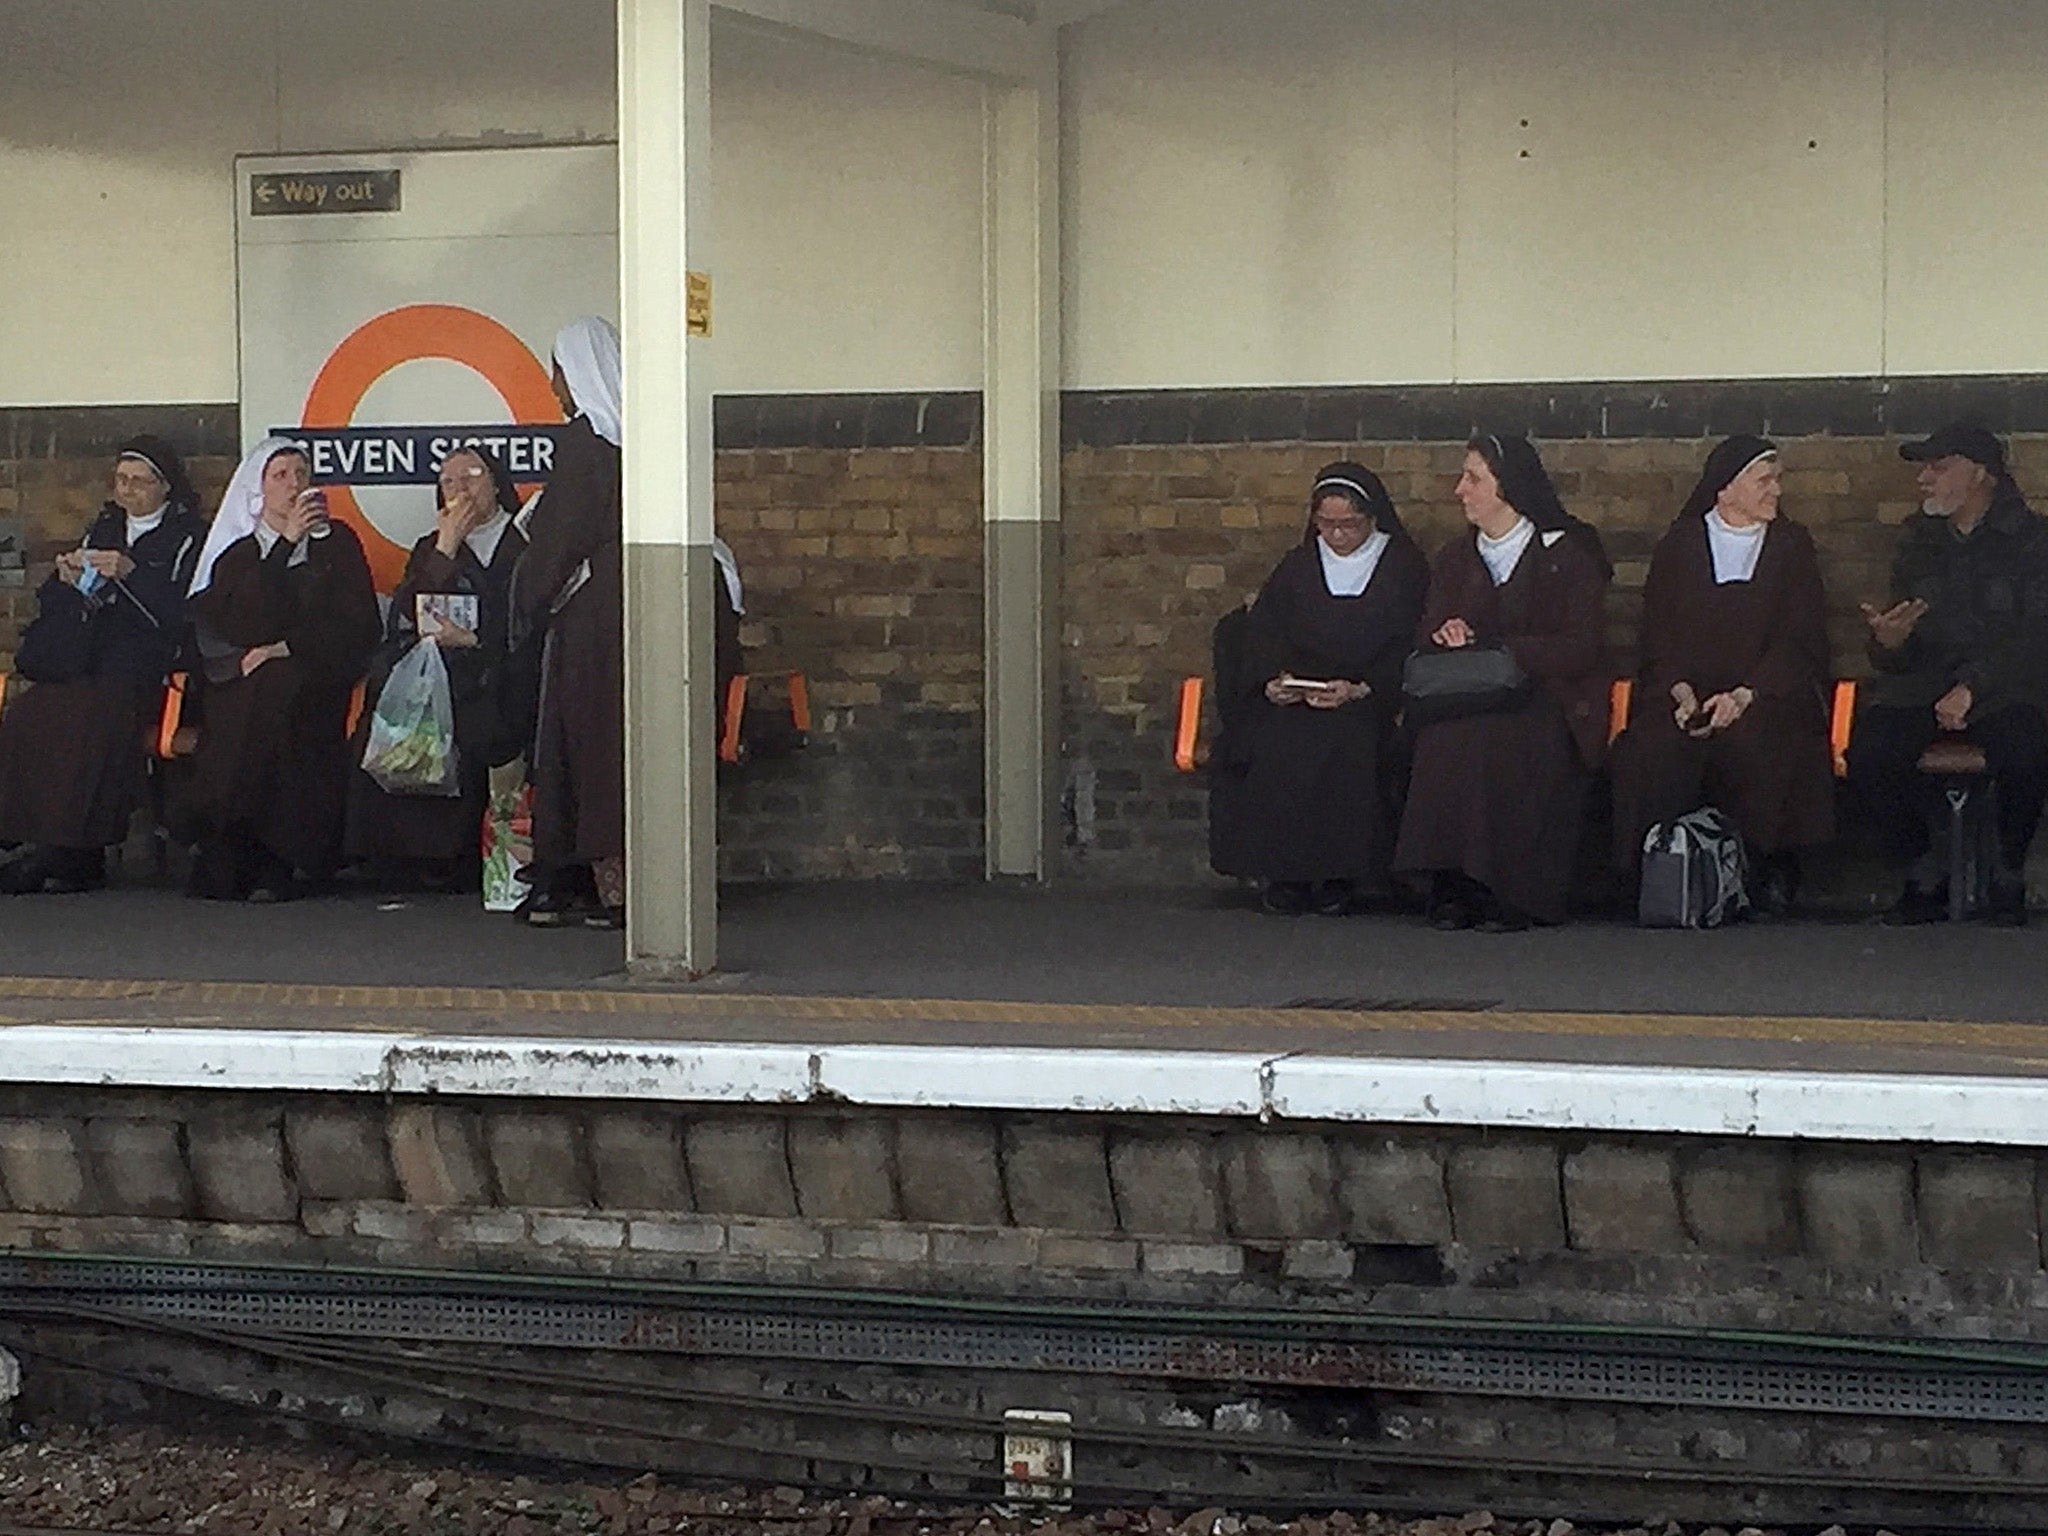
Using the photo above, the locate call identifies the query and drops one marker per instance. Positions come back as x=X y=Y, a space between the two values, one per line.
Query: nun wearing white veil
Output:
x=287 y=617
x=570 y=586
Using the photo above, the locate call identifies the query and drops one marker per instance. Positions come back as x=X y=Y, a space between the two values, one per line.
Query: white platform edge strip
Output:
x=2000 y=1111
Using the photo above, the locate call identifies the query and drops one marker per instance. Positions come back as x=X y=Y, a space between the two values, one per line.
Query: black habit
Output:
x=271 y=775
x=579 y=754
x=1772 y=771
x=1498 y=797
x=72 y=748
x=444 y=828
x=1313 y=790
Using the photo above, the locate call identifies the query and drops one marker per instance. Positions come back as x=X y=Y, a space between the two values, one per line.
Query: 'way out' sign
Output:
x=383 y=344
x=274 y=192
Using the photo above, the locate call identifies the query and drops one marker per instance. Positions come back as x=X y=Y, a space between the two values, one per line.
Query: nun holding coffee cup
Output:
x=287 y=618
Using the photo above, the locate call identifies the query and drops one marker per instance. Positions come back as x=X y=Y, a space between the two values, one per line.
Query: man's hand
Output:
x=1453 y=633
x=1952 y=709
x=1891 y=627
x=453 y=637
x=1685 y=704
x=110 y=563
x=1724 y=709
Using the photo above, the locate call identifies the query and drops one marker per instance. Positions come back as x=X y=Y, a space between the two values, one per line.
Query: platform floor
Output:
x=1074 y=966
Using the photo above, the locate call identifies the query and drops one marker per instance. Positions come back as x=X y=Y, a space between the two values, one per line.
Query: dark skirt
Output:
x=1498 y=798
x=73 y=762
x=1311 y=800
x=1772 y=773
x=273 y=764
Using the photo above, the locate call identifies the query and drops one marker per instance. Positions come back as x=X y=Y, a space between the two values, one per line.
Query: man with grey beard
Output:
x=1961 y=650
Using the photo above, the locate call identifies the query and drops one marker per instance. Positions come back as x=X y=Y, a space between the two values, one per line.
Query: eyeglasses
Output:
x=1340 y=525
x=455 y=480
x=136 y=479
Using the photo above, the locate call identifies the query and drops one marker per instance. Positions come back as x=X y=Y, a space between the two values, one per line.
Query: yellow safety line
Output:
x=742 y=1007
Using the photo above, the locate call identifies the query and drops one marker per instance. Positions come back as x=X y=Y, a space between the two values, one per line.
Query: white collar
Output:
x=1503 y=554
x=138 y=526
x=266 y=540
x=1349 y=575
x=483 y=539
x=1734 y=551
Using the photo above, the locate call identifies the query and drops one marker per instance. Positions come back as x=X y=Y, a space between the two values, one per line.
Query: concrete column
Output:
x=1021 y=468
x=671 y=711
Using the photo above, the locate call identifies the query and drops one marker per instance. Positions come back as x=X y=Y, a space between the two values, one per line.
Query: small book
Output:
x=1306 y=684
x=433 y=611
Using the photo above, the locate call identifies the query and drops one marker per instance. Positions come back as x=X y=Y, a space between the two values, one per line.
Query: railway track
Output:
x=389 y=1334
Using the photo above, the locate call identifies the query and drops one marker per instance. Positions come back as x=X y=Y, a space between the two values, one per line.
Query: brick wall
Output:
x=1176 y=505
x=856 y=522
x=863 y=571
x=857 y=525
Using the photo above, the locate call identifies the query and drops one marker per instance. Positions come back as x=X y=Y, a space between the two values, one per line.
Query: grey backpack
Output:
x=1694 y=873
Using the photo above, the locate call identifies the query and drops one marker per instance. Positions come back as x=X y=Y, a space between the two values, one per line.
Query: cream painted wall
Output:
x=861 y=271
x=1258 y=191
x=1752 y=187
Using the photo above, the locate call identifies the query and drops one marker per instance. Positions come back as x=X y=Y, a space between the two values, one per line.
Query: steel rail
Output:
x=384 y=1366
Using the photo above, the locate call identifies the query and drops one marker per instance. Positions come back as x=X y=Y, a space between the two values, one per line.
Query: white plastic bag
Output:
x=411 y=749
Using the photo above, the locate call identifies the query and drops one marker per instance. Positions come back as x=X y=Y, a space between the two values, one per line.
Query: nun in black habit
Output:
x=1731 y=703
x=110 y=625
x=1309 y=776
x=433 y=840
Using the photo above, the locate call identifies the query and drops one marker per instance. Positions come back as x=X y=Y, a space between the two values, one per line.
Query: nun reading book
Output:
x=1730 y=707
x=1311 y=780
x=110 y=625
x=287 y=618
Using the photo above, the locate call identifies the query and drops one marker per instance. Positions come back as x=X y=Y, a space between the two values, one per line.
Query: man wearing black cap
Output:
x=1962 y=649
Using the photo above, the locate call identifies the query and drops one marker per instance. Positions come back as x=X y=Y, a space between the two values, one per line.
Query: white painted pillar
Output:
x=671 y=708
x=1021 y=468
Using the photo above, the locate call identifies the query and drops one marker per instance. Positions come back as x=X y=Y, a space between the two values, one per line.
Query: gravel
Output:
x=146 y=1479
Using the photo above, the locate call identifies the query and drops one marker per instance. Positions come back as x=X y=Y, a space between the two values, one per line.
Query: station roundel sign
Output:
x=416 y=331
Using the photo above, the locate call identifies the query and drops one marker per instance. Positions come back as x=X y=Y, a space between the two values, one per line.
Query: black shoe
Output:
x=24 y=874
x=612 y=918
x=1774 y=890
x=1918 y=905
x=270 y=893
x=1334 y=898
x=1502 y=918
x=1449 y=910
x=1287 y=898
x=2008 y=905
x=549 y=909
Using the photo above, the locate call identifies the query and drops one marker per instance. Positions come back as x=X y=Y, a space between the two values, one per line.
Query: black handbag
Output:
x=58 y=645
x=1468 y=680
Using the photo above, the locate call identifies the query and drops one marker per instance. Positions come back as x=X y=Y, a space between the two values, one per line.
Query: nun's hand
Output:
x=110 y=563
x=1453 y=633
x=1337 y=695
x=71 y=566
x=1280 y=691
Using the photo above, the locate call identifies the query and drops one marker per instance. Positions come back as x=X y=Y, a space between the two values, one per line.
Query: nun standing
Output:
x=110 y=625
x=432 y=840
x=570 y=587
x=1315 y=772
x=287 y=617
x=1495 y=799
x=1731 y=704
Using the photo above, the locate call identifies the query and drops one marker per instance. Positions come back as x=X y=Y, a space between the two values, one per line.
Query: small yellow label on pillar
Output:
x=697 y=304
